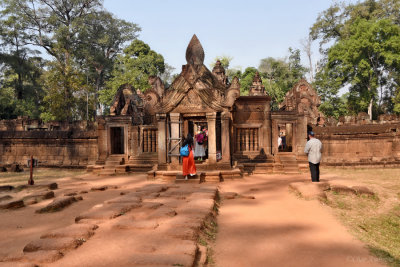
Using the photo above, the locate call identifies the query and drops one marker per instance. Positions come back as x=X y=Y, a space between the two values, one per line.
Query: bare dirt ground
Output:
x=264 y=225
x=138 y=223
x=277 y=228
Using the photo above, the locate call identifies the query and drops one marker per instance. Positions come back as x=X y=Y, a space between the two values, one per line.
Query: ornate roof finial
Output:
x=194 y=52
x=219 y=72
x=257 y=88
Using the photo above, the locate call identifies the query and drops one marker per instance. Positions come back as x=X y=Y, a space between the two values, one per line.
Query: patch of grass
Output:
x=208 y=233
x=375 y=220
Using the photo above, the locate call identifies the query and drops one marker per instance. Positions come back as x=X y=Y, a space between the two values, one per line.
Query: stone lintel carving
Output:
x=257 y=88
x=211 y=115
x=161 y=116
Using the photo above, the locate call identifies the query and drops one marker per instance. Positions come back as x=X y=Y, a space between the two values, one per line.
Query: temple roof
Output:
x=197 y=89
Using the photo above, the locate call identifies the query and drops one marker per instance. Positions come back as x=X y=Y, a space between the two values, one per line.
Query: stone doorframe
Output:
x=108 y=135
x=275 y=133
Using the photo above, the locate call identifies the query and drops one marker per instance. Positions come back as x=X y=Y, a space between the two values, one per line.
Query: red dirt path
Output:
x=279 y=229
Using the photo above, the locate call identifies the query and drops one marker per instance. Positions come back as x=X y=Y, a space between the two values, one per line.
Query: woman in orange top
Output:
x=188 y=166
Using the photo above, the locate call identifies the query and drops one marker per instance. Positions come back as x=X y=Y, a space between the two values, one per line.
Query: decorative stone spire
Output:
x=219 y=72
x=257 y=88
x=194 y=52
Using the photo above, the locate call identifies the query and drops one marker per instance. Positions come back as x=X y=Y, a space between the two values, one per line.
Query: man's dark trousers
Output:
x=314 y=169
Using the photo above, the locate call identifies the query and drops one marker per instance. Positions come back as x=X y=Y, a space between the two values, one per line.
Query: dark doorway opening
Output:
x=309 y=129
x=285 y=137
x=196 y=125
x=117 y=140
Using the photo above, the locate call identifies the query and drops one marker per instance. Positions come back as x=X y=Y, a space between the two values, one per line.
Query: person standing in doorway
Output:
x=279 y=143
x=199 y=151
x=188 y=165
x=313 y=150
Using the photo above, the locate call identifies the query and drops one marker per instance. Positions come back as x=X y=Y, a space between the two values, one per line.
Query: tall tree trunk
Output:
x=98 y=87
x=19 y=87
x=370 y=109
x=370 y=104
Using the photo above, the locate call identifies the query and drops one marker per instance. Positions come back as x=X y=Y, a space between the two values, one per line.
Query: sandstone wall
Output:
x=74 y=146
x=360 y=145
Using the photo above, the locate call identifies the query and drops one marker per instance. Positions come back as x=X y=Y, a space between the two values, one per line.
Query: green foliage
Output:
x=229 y=71
x=364 y=59
x=364 y=56
x=246 y=80
x=134 y=66
x=78 y=35
x=280 y=75
x=225 y=61
x=65 y=89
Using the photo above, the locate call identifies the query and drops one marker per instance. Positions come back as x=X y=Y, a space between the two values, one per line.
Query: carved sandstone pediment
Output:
x=196 y=89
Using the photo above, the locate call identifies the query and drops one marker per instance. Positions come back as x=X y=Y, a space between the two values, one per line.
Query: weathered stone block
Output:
x=35 y=198
x=58 y=204
x=84 y=231
x=13 y=205
x=43 y=256
x=65 y=243
x=133 y=224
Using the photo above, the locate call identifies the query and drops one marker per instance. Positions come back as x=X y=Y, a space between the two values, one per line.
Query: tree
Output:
x=102 y=38
x=20 y=71
x=81 y=38
x=361 y=28
x=306 y=45
x=134 y=66
x=280 y=75
x=246 y=80
x=365 y=59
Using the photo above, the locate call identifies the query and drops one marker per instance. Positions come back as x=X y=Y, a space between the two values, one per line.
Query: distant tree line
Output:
x=64 y=60
x=360 y=47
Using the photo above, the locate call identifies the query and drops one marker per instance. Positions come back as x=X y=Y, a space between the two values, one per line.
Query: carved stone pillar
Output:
x=175 y=137
x=161 y=142
x=266 y=131
x=225 y=139
x=212 y=149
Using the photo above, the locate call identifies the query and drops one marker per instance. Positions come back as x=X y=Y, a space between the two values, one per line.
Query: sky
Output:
x=246 y=30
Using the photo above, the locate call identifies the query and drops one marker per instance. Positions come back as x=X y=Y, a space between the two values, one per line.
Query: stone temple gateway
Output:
x=144 y=130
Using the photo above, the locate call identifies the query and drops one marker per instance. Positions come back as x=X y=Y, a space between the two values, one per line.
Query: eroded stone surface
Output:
x=84 y=231
x=43 y=256
x=308 y=190
x=64 y=243
x=15 y=204
x=37 y=197
x=58 y=204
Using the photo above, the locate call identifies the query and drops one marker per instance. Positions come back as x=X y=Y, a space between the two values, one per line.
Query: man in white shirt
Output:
x=313 y=149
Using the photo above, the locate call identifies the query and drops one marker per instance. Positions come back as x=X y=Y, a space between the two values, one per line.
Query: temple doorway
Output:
x=117 y=140
x=285 y=137
x=195 y=126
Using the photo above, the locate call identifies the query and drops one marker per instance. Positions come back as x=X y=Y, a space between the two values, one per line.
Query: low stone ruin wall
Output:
x=51 y=148
x=360 y=145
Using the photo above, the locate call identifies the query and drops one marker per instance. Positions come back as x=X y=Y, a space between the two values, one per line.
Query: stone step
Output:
x=113 y=162
x=188 y=181
x=293 y=172
x=107 y=173
x=139 y=167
